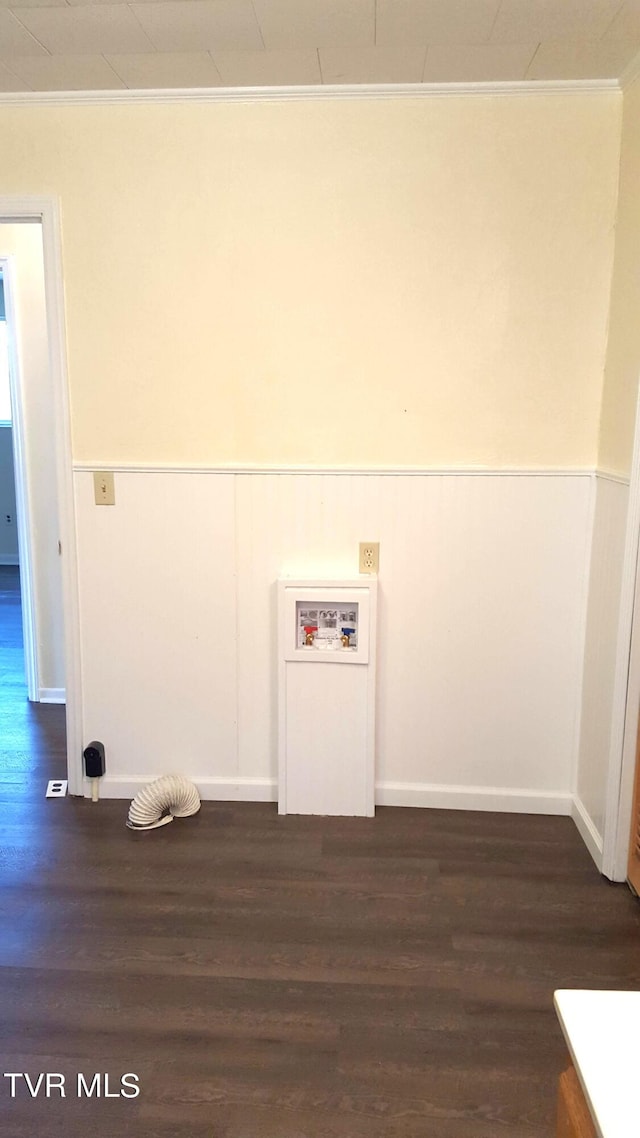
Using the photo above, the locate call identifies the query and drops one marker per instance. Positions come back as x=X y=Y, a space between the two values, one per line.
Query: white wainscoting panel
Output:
x=294 y=525
x=605 y=578
x=480 y=624
x=482 y=671
x=482 y=602
x=158 y=624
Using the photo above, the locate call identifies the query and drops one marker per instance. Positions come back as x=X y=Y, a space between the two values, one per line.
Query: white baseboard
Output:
x=210 y=789
x=52 y=695
x=9 y=559
x=422 y=795
x=587 y=830
x=500 y=798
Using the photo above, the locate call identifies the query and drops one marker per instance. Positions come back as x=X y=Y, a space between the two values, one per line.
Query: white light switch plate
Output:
x=103 y=488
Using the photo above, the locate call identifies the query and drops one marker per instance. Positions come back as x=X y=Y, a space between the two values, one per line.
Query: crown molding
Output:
x=310 y=93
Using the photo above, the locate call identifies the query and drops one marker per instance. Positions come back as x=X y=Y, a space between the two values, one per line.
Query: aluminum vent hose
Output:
x=169 y=797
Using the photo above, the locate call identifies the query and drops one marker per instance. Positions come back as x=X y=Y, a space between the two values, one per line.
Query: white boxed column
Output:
x=326 y=696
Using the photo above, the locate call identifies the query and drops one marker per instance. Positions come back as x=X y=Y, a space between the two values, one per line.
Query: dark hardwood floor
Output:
x=270 y=977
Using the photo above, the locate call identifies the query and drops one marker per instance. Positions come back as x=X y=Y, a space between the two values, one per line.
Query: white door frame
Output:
x=626 y=694
x=23 y=505
x=46 y=211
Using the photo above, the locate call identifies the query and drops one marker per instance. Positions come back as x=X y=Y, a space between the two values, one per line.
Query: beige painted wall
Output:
x=384 y=281
x=623 y=354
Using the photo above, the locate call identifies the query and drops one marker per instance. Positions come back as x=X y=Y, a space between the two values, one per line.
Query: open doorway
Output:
x=48 y=431
x=29 y=518
x=31 y=602
x=12 y=669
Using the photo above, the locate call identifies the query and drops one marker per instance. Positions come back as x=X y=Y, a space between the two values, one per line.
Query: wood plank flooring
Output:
x=291 y=977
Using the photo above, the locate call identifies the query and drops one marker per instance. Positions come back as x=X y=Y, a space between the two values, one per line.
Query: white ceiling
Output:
x=55 y=45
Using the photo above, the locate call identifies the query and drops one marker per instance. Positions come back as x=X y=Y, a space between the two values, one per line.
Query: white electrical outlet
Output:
x=56 y=788
x=369 y=556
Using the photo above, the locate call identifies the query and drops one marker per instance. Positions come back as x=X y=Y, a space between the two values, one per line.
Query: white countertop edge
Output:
x=601 y=1031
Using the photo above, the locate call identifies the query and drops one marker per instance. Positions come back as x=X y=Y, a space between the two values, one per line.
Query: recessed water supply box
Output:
x=326 y=696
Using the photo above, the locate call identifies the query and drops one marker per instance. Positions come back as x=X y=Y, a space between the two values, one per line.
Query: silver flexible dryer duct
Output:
x=173 y=793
